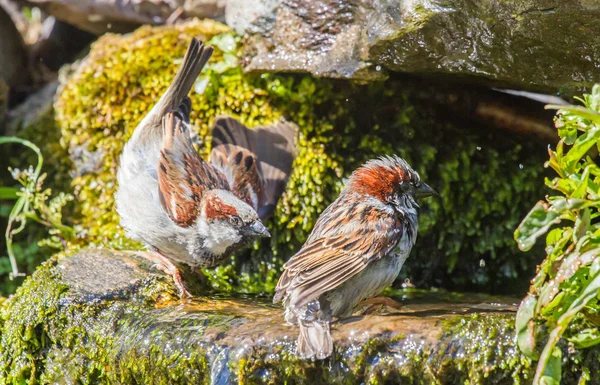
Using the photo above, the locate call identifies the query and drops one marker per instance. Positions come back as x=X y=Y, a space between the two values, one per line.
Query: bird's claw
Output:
x=169 y=268
x=379 y=301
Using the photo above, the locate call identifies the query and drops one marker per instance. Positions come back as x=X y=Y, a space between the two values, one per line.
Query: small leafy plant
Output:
x=563 y=298
x=33 y=203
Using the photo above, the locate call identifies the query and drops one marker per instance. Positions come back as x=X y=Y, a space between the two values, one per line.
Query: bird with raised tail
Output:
x=356 y=249
x=189 y=211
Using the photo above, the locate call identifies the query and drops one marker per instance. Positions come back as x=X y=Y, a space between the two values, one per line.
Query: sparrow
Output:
x=184 y=209
x=356 y=249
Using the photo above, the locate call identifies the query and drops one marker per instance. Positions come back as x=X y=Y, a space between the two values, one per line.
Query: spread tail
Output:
x=274 y=147
x=314 y=340
x=195 y=58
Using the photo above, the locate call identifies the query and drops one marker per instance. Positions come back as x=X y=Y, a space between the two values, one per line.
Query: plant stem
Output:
x=21 y=202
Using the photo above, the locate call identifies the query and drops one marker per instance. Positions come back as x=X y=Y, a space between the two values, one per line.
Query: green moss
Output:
x=49 y=334
x=484 y=191
x=487 y=354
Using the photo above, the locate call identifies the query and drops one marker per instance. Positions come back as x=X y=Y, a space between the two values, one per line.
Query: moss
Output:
x=49 y=334
x=488 y=353
x=484 y=191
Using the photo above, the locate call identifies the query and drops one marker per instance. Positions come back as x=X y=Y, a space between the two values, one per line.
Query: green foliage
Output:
x=563 y=298
x=32 y=204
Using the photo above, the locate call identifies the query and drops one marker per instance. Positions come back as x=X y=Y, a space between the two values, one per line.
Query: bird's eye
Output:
x=235 y=220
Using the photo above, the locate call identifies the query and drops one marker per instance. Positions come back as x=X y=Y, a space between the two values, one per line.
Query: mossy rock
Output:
x=507 y=44
x=487 y=179
x=102 y=317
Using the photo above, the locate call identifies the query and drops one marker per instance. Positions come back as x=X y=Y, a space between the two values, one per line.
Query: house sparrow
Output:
x=184 y=209
x=355 y=250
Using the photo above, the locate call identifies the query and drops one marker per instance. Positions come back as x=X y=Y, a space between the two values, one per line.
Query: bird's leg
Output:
x=380 y=301
x=163 y=264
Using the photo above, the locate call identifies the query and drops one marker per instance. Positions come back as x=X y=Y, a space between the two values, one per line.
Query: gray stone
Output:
x=102 y=316
x=100 y=16
x=99 y=272
x=37 y=106
x=541 y=45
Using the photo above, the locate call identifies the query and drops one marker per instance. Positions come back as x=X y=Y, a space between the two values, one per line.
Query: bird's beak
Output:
x=258 y=229
x=424 y=191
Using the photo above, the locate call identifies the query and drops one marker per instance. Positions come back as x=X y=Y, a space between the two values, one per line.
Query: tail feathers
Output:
x=195 y=58
x=314 y=340
x=275 y=148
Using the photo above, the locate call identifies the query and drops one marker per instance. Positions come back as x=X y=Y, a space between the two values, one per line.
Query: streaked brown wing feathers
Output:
x=327 y=261
x=182 y=175
x=240 y=167
x=273 y=149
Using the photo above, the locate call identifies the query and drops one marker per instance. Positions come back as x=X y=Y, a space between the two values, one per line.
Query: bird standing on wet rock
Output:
x=184 y=209
x=355 y=250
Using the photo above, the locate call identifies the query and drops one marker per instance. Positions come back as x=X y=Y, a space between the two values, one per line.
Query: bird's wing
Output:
x=257 y=162
x=241 y=170
x=182 y=175
x=346 y=238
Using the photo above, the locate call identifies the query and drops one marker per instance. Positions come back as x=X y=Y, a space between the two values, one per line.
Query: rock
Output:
x=59 y=43
x=97 y=273
x=537 y=45
x=101 y=317
x=100 y=16
x=239 y=15
x=35 y=108
x=95 y=316
x=212 y=9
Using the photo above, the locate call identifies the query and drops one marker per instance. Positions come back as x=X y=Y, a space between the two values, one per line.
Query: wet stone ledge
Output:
x=106 y=317
x=543 y=45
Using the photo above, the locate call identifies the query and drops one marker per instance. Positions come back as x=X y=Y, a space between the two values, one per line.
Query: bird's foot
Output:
x=166 y=266
x=376 y=302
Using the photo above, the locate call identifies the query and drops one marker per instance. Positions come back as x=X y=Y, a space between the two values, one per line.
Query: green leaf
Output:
x=8 y=193
x=584 y=112
x=536 y=223
x=586 y=338
x=568 y=133
x=595 y=268
x=225 y=42
x=555 y=301
x=581 y=146
x=525 y=327
x=554 y=236
x=552 y=373
x=565 y=186
x=546 y=368
x=582 y=184
x=582 y=224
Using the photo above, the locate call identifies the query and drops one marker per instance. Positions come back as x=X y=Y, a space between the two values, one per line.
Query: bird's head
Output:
x=229 y=221
x=391 y=180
